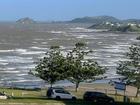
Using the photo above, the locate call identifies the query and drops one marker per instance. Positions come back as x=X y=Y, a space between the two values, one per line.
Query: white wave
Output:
x=3 y=60
x=20 y=50
x=4 y=63
x=33 y=53
x=27 y=52
x=57 y=32
x=89 y=57
x=44 y=42
x=100 y=42
x=21 y=74
x=24 y=80
x=9 y=71
x=80 y=29
x=53 y=38
x=25 y=67
x=111 y=34
x=62 y=47
x=34 y=42
x=6 y=51
x=82 y=36
x=38 y=48
x=117 y=46
x=108 y=65
x=17 y=59
x=10 y=68
x=115 y=49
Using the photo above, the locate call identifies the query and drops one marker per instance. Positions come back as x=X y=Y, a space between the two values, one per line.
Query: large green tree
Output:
x=52 y=67
x=73 y=66
x=131 y=67
x=79 y=68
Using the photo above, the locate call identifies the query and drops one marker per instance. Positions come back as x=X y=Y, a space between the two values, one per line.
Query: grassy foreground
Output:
x=42 y=101
x=37 y=97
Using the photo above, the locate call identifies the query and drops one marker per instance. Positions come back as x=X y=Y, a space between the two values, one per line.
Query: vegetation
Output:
x=26 y=21
x=110 y=23
x=116 y=27
x=101 y=19
x=131 y=67
x=35 y=97
x=74 y=67
x=126 y=28
x=95 y=20
x=135 y=21
x=104 y=25
x=52 y=67
x=81 y=69
x=121 y=28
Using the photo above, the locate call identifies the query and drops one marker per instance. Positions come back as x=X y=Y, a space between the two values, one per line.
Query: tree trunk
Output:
x=137 y=92
x=77 y=85
x=51 y=85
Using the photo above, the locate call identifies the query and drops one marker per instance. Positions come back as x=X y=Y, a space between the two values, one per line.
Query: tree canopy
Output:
x=51 y=67
x=80 y=68
x=73 y=66
x=131 y=67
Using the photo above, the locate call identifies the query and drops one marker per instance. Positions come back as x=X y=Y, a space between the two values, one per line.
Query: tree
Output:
x=131 y=67
x=74 y=67
x=79 y=68
x=51 y=67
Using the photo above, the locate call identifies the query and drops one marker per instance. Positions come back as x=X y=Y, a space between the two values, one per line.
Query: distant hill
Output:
x=101 y=19
x=104 y=25
x=25 y=21
x=95 y=20
x=134 y=21
x=110 y=23
x=126 y=28
x=117 y=27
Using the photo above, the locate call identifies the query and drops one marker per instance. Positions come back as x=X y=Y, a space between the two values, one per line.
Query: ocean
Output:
x=21 y=45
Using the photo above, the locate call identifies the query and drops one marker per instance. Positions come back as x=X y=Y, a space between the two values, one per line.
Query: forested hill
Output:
x=96 y=20
x=101 y=19
x=26 y=21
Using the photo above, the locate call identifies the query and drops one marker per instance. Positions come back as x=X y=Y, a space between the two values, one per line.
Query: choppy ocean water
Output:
x=21 y=46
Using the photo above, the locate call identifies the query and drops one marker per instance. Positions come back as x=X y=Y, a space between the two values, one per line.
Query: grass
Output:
x=37 y=97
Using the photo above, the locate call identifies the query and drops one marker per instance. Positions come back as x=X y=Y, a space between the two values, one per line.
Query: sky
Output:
x=58 y=10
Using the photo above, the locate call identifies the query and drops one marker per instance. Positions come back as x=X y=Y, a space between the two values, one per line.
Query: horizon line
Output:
x=62 y=20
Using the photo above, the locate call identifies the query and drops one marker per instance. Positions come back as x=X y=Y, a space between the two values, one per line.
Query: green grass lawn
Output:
x=32 y=97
